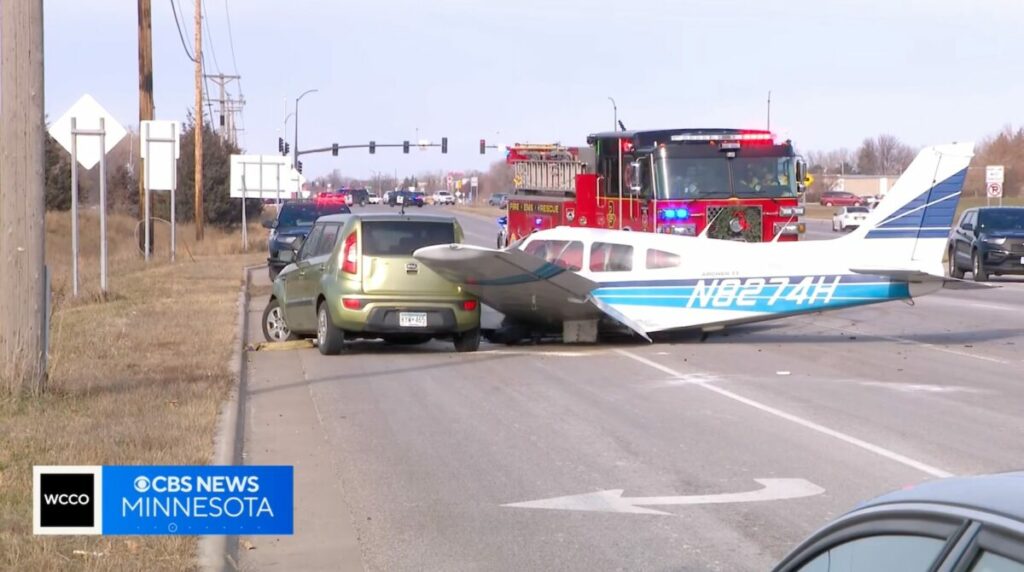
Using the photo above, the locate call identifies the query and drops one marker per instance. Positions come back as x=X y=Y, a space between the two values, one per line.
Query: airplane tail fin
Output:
x=910 y=227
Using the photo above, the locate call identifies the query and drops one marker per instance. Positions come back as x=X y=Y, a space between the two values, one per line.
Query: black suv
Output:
x=360 y=196
x=295 y=220
x=988 y=240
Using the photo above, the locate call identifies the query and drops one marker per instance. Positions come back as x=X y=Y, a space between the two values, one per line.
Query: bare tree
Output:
x=884 y=155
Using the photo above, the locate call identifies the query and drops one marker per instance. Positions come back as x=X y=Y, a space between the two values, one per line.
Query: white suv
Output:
x=444 y=198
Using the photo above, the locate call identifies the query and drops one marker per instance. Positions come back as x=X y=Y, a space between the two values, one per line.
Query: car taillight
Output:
x=469 y=305
x=349 y=255
x=352 y=303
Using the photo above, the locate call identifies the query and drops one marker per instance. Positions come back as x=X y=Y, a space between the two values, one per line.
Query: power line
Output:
x=210 y=42
x=206 y=89
x=177 y=24
x=231 y=39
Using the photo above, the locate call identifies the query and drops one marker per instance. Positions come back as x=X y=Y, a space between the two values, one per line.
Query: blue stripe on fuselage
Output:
x=758 y=294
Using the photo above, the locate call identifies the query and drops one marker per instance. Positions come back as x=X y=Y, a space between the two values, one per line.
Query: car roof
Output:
x=998 y=494
x=386 y=217
x=1005 y=208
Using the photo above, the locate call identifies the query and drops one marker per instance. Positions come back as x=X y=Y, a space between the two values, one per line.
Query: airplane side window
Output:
x=607 y=257
x=662 y=259
x=571 y=255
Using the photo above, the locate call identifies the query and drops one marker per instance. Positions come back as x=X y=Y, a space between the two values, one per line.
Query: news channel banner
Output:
x=163 y=500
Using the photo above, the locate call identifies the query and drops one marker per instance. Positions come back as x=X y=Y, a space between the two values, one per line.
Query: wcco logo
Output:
x=66 y=500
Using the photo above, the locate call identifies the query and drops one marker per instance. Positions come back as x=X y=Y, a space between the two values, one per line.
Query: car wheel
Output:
x=468 y=341
x=978 y=267
x=330 y=339
x=954 y=270
x=407 y=339
x=274 y=327
x=828 y=203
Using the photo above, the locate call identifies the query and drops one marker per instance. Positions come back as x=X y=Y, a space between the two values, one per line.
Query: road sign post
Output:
x=160 y=153
x=108 y=132
x=994 y=177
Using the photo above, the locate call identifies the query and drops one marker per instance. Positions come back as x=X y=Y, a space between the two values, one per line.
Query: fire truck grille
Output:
x=735 y=223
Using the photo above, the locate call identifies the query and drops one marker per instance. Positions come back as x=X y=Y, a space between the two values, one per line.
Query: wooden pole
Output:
x=199 y=119
x=22 y=197
x=147 y=109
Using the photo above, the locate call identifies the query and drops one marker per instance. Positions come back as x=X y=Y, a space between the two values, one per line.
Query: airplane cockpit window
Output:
x=608 y=257
x=662 y=259
x=564 y=253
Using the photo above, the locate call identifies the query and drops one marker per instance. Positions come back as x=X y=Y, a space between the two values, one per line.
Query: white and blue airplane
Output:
x=570 y=278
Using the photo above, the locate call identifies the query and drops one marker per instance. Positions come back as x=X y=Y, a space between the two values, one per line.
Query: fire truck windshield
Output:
x=720 y=177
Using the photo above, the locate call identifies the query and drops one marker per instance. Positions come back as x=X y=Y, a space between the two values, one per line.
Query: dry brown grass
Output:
x=137 y=379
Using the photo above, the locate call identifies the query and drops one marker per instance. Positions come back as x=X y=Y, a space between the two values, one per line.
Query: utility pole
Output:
x=769 y=128
x=227 y=108
x=22 y=194
x=146 y=106
x=199 y=119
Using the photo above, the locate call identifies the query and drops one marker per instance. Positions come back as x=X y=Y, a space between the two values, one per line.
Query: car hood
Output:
x=1003 y=234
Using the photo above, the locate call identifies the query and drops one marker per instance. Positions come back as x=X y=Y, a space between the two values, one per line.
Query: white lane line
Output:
x=876 y=449
x=817 y=322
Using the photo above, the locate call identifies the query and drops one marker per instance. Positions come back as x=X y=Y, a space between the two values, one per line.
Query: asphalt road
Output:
x=406 y=457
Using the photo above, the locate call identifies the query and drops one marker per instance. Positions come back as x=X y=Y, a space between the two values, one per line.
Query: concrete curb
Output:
x=220 y=553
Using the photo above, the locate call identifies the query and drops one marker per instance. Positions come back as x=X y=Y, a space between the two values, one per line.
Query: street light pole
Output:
x=615 y=111
x=295 y=142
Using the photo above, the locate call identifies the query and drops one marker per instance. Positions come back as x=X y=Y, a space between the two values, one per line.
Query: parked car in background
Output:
x=444 y=198
x=841 y=199
x=418 y=198
x=294 y=221
x=499 y=200
x=987 y=241
x=847 y=218
x=408 y=198
x=962 y=524
x=359 y=197
x=355 y=277
x=374 y=199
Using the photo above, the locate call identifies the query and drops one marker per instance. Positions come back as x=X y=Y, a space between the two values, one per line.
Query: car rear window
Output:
x=401 y=238
x=858 y=210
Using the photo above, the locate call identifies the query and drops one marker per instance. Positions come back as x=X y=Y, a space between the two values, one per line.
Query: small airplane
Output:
x=571 y=278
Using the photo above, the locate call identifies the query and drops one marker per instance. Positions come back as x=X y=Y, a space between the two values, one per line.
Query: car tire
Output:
x=468 y=341
x=330 y=338
x=978 y=267
x=954 y=269
x=274 y=327
x=828 y=203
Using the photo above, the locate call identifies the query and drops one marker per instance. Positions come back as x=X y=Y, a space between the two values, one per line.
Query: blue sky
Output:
x=926 y=71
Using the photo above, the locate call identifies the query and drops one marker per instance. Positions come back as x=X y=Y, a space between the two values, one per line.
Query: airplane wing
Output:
x=919 y=276
x=522 y=286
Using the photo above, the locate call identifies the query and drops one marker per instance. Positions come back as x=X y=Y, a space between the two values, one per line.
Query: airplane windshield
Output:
x=720 y=177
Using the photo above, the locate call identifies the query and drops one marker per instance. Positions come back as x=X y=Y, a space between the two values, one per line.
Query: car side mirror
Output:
x=803 y=179
x=297 y=246
x=967 y=226
x=270 y=223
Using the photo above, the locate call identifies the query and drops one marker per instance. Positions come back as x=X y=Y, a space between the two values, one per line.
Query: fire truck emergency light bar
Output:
x=723 y=137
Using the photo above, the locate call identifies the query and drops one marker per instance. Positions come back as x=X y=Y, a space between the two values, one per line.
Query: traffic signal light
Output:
x=444 y=144
x=405 y=146
x=280 y=144
x=483 y=146
x=287 y=148
x=334 y=149
x=298 y=166
x=373 y=147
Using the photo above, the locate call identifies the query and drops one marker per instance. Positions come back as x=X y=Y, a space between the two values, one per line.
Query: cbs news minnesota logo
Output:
x=163 y=499
x=67 y=500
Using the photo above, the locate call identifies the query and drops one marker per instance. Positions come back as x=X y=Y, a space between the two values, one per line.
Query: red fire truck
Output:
x=726 y=183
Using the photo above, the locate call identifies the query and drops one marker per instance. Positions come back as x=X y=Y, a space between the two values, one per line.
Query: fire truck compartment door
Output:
x=521 y=286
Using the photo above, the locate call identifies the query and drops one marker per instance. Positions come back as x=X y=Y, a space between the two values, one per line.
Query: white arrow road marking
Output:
x=613 y=501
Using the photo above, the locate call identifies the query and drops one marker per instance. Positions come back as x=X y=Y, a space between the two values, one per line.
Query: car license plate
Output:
x=1022 y=259
x=412 y=319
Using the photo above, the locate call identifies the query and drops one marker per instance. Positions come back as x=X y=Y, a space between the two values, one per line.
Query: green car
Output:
x=354 y=277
